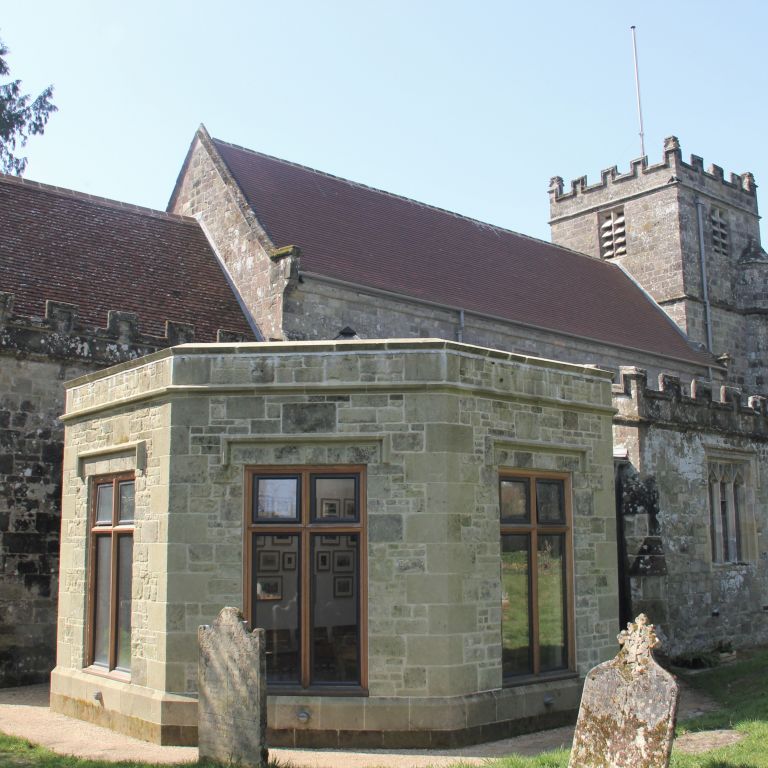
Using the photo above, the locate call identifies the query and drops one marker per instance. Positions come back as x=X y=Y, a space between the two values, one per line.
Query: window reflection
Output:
x=276 y=590
x=515 y=605
x=550 y=565
x=335 y=609
x=276 y=498
x=335 y=499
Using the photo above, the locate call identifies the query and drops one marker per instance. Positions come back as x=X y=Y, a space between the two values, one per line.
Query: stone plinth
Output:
x=628 y=708
x=232 y=705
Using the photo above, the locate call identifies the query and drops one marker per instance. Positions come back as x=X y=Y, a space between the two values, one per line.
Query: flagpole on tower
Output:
x=637 y=88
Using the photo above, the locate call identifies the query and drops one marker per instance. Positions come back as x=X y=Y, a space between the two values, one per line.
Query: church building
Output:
x=439 y=462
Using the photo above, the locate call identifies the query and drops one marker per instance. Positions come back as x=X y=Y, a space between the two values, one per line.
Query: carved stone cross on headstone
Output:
x=628 y=707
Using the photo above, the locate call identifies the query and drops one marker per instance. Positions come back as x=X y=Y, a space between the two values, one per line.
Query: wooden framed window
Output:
x=110 y=573
x=305 y=574
x=536 y=582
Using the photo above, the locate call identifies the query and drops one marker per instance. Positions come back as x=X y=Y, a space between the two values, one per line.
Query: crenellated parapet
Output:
x=672 y=169
x=689 y=407
x=60 y=335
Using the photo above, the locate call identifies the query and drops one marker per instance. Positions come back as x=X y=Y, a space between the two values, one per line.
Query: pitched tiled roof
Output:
x=103 y=255
x=354 y=233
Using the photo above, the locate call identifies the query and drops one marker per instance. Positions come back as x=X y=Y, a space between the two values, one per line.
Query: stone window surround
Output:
x=729 y=466
x=533 y=530
x=115 y=531
x=303 y=528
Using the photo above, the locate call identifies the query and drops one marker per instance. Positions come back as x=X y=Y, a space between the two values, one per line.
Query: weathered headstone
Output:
x=232 y=698
x=628 y=707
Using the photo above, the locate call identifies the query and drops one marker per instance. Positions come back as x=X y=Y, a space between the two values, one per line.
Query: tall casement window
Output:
x=726 y=511
x=613 y=233
x=110 y=572
x=305 y=573
x=719 y=231
x=536 y=591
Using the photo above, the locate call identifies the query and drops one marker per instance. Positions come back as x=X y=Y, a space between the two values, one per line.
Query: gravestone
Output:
x=628 y=707
x=232 y=698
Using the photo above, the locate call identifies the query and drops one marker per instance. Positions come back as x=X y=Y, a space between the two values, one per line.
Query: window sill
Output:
x=547 y=677
x=114 y=674
x=731 y=564
x=327 y=690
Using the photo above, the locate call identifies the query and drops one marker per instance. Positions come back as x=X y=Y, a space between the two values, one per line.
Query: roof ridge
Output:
x=96 y=199
x=420 y=203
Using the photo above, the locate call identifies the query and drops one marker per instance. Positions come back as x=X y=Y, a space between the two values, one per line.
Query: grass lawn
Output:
x=741 y=689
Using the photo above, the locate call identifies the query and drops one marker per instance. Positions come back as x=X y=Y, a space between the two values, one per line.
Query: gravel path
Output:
x=24 y=712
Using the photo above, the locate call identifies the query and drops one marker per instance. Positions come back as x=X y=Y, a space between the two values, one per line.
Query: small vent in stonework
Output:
x=613 y=235
x=719 y=232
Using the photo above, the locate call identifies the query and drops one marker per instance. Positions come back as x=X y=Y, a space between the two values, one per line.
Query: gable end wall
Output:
x=207 y=191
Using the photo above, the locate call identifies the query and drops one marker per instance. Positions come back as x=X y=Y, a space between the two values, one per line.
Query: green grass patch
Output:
x=20 y=753
x=741 y=689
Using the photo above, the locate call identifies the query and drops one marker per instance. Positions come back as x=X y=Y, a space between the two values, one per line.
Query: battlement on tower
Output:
x=60 y=335
x=641 y=177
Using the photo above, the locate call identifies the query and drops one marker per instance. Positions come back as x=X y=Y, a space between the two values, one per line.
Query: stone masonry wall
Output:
x=318 y=309
x=31 y=440
x=37 y=355
x=652 y=226
x=432 y=422
x=670 y=438
x=259 y=268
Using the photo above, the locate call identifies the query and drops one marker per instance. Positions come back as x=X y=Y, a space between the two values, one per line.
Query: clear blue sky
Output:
x=471 y=106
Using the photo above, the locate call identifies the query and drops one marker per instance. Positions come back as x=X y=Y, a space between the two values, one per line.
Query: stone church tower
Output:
x=690 y=237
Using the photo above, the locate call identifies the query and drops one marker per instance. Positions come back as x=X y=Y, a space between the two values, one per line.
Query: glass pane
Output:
x=713 y=507
x=724 y=521
x=550 y=501
x=738 y=489
x=515 y=605
x=276 y=498
x=335 y=600
x=101 y=599
x=125 y=511
x=275 y=590
x=335 y=499
x=514 y=500
x=104 y=504
x=550 y=571
x=124 y=571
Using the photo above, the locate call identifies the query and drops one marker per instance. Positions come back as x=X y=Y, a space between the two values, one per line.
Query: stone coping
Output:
x=329 y=346
x=437 y=381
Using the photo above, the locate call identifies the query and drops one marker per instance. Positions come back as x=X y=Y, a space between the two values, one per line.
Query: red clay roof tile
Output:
x=372 y=238
x=104 y=255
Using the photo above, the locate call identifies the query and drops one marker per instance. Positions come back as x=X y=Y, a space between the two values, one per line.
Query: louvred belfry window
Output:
x=613 y=235
x=719 y=232
x=305 y=581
